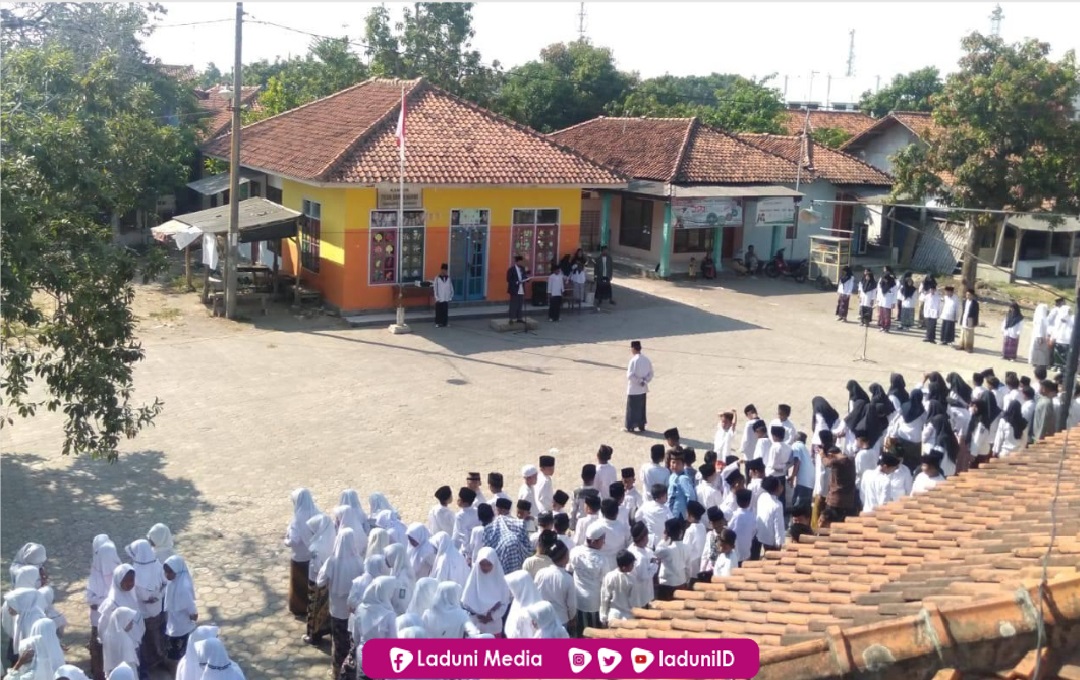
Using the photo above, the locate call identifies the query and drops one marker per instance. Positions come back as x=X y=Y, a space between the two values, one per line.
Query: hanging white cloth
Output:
x=209 y=251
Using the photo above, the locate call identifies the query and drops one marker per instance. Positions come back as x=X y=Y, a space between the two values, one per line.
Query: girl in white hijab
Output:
x=121 y=594
x=374 y=567
x=449 y=563
x=397 y=559
x=22 y=609
x=486 y=596
x=446 y=619
x=218 y=664
x=348 y=516
x=378 y=503
x=350 y=498
x=161 y=540
x=1039 y=351
x=337 y=576
x=48 y=596
x=40 y=654
x=374 y=617
x=421 y=550
x=522 y=588
x=31 y=554
x=189 y=668
x=321 y=547
x=123 y=672
x=423 y=597
x=102 y=566
x=120 y=641
x=544 y=622
x=150 y=590
x=69 y=672
x=389 y=521
x=297 y=537
x=28 y=577
x=378 y=540
x=181 y=611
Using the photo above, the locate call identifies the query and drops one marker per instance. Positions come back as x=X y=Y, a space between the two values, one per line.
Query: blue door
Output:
x=468 y=262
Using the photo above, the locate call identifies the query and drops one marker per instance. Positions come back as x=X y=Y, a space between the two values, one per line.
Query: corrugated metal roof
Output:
x=1037 y=223
x=940 y=247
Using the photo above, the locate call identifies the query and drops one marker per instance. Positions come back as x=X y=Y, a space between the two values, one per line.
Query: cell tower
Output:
x=581 y=22
x=995 y=21
x=851 y=54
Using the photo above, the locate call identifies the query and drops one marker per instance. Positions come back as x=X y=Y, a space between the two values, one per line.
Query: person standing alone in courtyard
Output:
x=444 y=294
x=639 y=374
x=515 y=286
x=602 y=272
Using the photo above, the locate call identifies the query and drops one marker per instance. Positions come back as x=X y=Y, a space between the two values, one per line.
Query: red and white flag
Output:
x=400 y=134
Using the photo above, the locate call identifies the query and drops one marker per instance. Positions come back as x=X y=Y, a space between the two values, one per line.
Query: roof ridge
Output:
x=735 y=136
x=880 y=122
x=418 y=85
x=499 y=118
x=684 y=148
x=597 y=119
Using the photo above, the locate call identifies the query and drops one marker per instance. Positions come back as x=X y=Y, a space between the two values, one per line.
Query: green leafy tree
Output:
x=1007 y=140
x=727 y=101
x=433 y=40
x=907 y=92
x=833 y=138
x=91 y=130
x=329 y=66
x=210 y=77
x=570 y=83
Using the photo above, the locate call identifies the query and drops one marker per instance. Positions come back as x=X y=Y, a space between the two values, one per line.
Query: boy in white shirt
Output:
x=592 y=515
x=588 y=567
x=756 y=470
x=654 y=472
x=694 y=536
x=717 y=523
x=617 y=589
x=556 y=284
x=744 y=524
x=778 y=454
x=930 y=475
x=762 y=443
x=865 y=458
x=606 y=474
x=707 y=493
x=725 y=434
x=726 y=559
x=749 y=439
x=633 y=499
x=556 y=586
x=783 y=419
x=441 y=517
x=655 y=513
x=950 y=311
x=802 y=472
x=673 y=564
x=931 y=306
x=769 y=533
x=578 y=279
x=587 y=488
x=645 y=567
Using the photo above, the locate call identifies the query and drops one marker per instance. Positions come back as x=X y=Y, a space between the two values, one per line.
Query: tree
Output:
x=329 y=66
x=570 y=83
x=1007 y=140
x=906 y=92
x=92 y=129
x=727 y=101
x=833 y=138
x=210 y=77
x=433 y=40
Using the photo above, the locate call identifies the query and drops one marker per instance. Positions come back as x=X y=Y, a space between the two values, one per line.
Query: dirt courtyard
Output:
x=256 y=408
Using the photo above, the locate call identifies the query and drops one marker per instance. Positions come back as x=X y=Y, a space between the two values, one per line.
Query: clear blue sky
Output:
x=681 y=38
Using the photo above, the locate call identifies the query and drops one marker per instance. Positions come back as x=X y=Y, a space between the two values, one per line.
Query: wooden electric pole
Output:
x=232 y=251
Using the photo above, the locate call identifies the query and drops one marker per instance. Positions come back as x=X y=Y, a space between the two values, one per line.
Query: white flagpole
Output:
x=401 y=187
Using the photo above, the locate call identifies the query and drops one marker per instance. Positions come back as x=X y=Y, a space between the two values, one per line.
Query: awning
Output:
x=260 y=220
x=215 y=184
x=728 y=190
x=1038 y=223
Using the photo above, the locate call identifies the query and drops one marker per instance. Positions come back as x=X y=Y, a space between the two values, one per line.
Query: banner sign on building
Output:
x=775 y=212
x=705 y=213
x=388 y=198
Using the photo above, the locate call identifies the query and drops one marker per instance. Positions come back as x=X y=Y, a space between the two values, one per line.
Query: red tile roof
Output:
x=835 y=166
x=350 y=137
x=219 y=118
x=851 y=122
x=869 y=580
x=182 y=72
x=677 y=150
x=919 y=123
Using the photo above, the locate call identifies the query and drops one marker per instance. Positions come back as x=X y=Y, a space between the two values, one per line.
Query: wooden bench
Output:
x=414 y=292
x=217 y=300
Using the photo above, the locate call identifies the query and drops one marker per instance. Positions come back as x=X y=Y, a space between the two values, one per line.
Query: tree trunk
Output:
x=968 y=271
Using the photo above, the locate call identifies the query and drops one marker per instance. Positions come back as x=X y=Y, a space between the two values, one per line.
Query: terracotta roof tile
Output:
x=920 y=123
x=676 y=150
x=835 y=166
x=968 y=566
x=349 y=137
x=851 y=122
x=219 y=113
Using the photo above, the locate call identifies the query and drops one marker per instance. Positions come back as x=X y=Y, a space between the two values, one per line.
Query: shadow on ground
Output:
x=64 y=508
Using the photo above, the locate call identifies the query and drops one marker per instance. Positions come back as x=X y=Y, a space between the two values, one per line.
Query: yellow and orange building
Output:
x=479 y=189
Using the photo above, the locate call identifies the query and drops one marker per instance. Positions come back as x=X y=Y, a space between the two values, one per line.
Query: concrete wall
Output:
x=881 y=148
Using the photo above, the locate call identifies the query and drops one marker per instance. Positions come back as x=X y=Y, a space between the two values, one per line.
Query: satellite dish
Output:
x=809 y=215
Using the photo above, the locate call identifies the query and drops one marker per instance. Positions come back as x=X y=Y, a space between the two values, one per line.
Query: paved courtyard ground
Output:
x=255 y=409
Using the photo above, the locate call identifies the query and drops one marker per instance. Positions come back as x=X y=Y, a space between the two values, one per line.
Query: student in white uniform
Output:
x=929 y=476
x=617 y=589
x=844 y=288
x=783 y=419
x=588 y=567
x=673 y=561
x=931 y=306
x=606 y=474
x=749 y=439
x=487 y=595
x=530 y=475
x=654 y=472
x=886 y=299
x=1010 y=433
x=556 y=586
x=444 y=295
x=545 y=487
x=655 y=513
x=867 y=295
x=465 y=519
x=950 y=312
x=879 y=487
x=769 y=532
x=645 y=566
x=556 y=286
x=725 y=433
x=441 y=517
x=744 y=524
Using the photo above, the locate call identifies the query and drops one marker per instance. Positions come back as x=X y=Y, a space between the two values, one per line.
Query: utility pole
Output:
x=581 y=23
x=1069 y=379
x=232 y=251
x=828 y=90
x=851 y=54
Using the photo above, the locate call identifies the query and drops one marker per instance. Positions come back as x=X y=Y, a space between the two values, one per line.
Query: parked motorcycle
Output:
x=796 y=269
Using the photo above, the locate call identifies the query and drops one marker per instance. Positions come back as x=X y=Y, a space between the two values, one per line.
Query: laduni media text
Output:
x=502 y=659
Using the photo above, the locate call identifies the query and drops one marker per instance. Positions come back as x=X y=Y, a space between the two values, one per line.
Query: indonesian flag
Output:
x=400 y=133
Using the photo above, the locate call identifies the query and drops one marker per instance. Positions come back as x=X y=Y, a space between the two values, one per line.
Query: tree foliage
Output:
x=91 y=129
x=1006 y=139
x=329 y=66
x=833 y=138
x=725 y=100
x=907 y=92
x=433 y=40
x=571 y=83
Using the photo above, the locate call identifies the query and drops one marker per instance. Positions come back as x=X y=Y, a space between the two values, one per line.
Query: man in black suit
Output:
x=602 y=271
x=515 y=285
